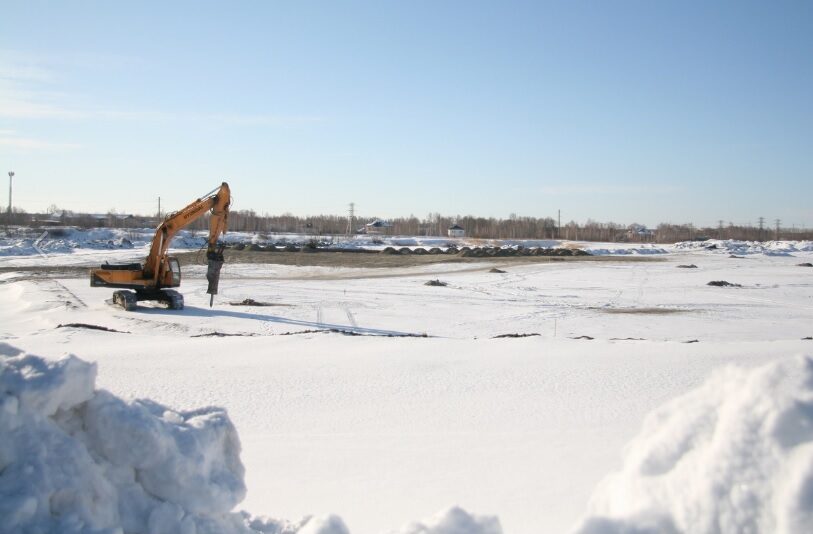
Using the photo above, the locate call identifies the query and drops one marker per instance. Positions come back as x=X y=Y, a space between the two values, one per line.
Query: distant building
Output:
x=377 y=227
x=637 y=232
x=456 y=230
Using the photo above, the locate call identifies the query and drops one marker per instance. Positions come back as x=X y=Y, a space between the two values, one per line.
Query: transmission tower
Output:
x=761 y=227
x=778 y=224
x=350 y=214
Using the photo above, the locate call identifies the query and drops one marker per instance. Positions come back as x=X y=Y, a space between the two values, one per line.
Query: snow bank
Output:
x=73 y=459
x=730 y=246
x=78 y=460
x=735 y=455
x=455 y=520
x=599 y=250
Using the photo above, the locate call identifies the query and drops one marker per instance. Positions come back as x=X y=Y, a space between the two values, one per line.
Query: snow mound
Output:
x=74 y=460
x=455 y=520
x=742 y=248
x=735 y=455
x=596 y=250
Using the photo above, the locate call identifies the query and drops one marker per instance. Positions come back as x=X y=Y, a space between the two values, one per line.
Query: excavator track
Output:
x=126 y=299
x=172 y=299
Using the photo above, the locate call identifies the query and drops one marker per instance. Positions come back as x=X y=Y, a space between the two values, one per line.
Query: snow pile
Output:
x=597 y=250
x=735 y=455
x=78 y=460
x=741 y=248
x=66 y=240
x=455 y=520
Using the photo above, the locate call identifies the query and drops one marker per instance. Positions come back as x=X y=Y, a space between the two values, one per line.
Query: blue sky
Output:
x=616 y=111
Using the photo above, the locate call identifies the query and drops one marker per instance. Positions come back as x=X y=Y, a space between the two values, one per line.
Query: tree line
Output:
x=433 y=224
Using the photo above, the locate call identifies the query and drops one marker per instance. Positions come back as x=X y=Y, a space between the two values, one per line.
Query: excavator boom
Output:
x=159 y=271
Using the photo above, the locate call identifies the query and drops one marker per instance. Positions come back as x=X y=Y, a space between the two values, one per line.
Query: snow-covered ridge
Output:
x=74 y=459
x=729 y=246
x=69 y=239
x=28 y=242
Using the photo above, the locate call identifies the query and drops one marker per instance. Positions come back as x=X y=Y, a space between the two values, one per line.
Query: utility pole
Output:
x=10 y=178
x=350 y=215
x=159 y=209
x=761 y=226
x=778 y=224
x=558 y=224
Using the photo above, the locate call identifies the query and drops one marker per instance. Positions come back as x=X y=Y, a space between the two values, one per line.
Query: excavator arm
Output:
x=217 y=201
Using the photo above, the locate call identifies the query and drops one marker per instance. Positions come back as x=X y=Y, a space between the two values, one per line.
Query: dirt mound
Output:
x=722 y=283
x=806 y=264
x=420 y=251
x=690 y=266
x=252 y=302
x=91 y=327
x=389 y=250
x=436 y=283
x=404 y=251
x=495 y=270
x=435 y=250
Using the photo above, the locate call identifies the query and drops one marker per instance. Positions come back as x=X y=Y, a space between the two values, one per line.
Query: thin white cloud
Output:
x=605 y=189
x=256 y=120
x=18 y=67
x=26 y=143
x=24 y=107
x=26 y=83
x=34 y=105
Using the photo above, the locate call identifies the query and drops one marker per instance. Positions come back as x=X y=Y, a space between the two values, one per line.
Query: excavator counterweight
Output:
x=153 y=279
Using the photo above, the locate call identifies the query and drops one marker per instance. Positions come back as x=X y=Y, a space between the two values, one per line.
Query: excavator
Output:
x=151 y=280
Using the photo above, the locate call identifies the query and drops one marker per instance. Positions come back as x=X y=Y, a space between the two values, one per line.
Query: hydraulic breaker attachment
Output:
x=215 y=259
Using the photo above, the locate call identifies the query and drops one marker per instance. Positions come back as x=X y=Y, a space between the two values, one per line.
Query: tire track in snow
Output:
x=761 y=301
x=350 y=317
x=61 y=287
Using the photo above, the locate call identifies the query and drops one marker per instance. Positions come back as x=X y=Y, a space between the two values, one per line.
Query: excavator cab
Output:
x=175 y=271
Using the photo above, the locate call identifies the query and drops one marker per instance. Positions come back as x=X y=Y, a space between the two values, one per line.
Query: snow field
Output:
x=381 y=430
x=78 y=460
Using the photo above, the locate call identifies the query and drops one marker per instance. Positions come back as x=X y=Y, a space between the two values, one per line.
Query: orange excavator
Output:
x=151 y=280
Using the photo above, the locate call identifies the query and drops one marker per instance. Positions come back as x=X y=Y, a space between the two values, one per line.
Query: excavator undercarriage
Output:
x=129 y=299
